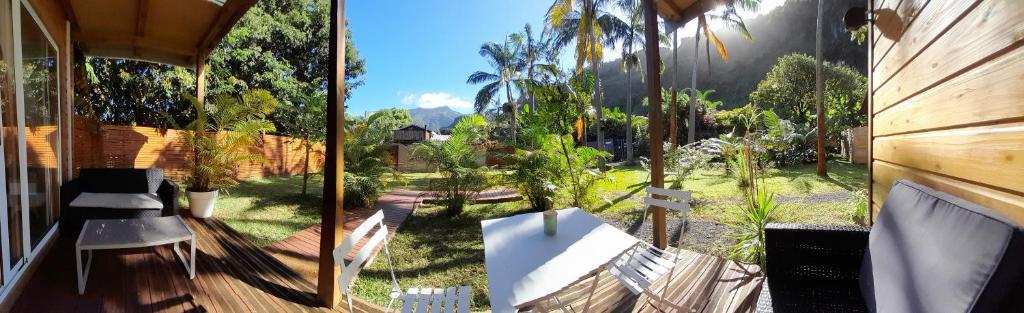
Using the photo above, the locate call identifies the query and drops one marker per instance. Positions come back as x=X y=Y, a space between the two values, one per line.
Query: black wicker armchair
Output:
x=928 y=251
x=116 y=193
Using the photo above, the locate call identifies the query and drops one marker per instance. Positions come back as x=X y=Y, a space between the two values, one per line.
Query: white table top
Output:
x=132 y=232
x=524 y=265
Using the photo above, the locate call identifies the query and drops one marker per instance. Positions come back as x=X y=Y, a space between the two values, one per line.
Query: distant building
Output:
x=412 y=134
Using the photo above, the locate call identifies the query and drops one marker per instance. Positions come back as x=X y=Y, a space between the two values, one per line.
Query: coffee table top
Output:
x=132 y=232
x=524 y=265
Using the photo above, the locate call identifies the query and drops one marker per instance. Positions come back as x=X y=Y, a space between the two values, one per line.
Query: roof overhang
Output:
x=176 y=32
x=677 y=13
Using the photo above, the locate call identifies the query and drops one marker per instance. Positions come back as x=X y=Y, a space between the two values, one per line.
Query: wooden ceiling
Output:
x=174 y=32
x=678 y=12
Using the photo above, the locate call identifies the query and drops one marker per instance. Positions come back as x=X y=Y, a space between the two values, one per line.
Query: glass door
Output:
x=10 y=218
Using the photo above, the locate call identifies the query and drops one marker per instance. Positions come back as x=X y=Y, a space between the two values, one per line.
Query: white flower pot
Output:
x=201 y=203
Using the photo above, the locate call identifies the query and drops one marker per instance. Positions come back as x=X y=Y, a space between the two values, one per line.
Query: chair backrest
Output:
x=681 y=202
x=362 y=253
x=930 y=251
x=121 y=180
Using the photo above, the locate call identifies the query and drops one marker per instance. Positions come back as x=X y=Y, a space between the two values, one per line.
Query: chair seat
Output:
x=135 y=201
x=436 y=300
x=641 y=266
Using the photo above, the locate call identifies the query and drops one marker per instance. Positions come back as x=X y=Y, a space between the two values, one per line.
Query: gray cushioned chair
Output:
x=928 y=251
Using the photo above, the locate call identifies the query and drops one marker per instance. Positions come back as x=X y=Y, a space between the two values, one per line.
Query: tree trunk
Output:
x=673 y=107
x=819 y=97
x=305 y=168
x=594 y=64
x=629 y=112
x=514 y=123
x=691 y=127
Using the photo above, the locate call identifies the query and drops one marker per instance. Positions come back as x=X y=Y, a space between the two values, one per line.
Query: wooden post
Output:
x=201 y=78
x=332 y=213
x=819 y=96
x=654 y=115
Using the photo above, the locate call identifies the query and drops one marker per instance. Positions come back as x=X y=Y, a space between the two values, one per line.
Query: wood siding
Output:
x=947 y=105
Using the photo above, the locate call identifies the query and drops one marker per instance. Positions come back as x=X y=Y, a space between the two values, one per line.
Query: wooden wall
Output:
x=947 y=105
x=144 y=147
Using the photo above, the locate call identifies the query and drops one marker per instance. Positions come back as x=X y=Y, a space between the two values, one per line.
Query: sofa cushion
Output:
x=118 y=201
x=121 y=180
x=929 y=251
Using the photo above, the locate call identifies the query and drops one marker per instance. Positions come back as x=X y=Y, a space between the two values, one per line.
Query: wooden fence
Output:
x=114 y=146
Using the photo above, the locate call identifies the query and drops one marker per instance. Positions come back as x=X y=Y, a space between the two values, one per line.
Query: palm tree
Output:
x=507 y=65
x=630 y=34
x=732 y=19
x=583 y=22
x=532 y=51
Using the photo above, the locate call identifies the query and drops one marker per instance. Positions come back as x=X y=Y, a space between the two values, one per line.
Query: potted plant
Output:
x=221 y=137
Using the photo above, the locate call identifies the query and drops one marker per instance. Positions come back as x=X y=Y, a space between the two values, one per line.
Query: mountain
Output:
x=434 y=118
x=787 y=29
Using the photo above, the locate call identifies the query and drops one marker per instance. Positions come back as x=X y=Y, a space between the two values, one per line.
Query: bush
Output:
x=534 y=174
x=461 y=176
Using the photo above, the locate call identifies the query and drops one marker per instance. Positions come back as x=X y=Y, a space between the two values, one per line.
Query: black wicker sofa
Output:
x=928 y=251
x=111 y=193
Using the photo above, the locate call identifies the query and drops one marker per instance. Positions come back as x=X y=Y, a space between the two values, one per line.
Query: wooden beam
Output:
x=88 y=39
x=140 y=22
x=69 y=12
x=332 y=213
x=654 y=116
x=229 y=14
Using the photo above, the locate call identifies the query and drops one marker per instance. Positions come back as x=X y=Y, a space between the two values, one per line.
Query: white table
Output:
x=524 y=265
x=106 y=234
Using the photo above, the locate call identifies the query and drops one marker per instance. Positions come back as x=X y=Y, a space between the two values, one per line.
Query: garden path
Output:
x=301 y=251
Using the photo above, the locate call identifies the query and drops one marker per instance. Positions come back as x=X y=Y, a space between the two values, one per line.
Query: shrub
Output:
x=684 y=160
x=758 y=210
x=859 y=206
x=462 y=176
x=365 y=165
x=534 y=174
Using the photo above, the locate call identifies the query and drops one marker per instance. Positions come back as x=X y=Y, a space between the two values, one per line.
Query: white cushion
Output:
x=118 y=201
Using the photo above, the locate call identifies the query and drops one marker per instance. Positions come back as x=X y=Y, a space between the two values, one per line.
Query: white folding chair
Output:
x=420 y=300
x=643 y=264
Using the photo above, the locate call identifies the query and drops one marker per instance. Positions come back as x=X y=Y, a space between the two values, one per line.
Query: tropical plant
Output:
x=462 y=177
x=222 y=137
x=535 y=173
x=307 y=121
x=683 y=160
x=757 y=211
x=507 y=65
x=584 y=22
x=629 y=34
x=366 y=166
x=859 y=206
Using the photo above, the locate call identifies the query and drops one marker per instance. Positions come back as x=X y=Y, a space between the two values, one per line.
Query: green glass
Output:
x=550 y=222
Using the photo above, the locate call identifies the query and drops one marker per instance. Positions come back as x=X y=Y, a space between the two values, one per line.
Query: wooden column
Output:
x=201 y=78
x=654 y=116
x=331 y=213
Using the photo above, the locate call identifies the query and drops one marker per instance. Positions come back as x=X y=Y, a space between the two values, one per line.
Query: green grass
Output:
x=434 y=250
x=266 y=210
x=623 y=190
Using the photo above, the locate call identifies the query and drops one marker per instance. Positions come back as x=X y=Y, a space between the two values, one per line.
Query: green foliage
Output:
x=366 y=166
x=535 y=174
x=456 y=159
x=788 y=90
x=684 y=160
x=388 y=120
x=859 y=206
x=222 y=136
x=278 y=45
x=581 y=164
x=758 y=210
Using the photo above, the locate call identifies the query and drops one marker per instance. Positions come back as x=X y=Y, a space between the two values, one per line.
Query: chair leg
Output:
x=593 y=289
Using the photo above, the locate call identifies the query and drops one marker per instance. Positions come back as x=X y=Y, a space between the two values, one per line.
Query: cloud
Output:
x=432 y=100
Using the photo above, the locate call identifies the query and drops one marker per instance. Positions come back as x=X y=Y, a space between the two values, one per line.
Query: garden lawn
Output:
x=434 y=250
x=266 y=210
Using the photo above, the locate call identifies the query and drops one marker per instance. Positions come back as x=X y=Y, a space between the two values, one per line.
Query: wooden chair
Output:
x=422 y=300
x=644 y=264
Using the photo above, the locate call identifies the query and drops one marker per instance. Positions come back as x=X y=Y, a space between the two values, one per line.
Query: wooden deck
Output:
x=301 y=251
x=232 y=275
x=702 y=283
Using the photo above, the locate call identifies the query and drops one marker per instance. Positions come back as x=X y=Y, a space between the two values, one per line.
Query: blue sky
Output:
x=419 y=53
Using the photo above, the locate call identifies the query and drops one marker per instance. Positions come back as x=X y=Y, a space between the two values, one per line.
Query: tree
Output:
x=389 y=120
x=507 y=64
x=129 y=92
x=788 y=90
x=461 y=176
x=307 y=120
x=629 y=34
x=584 y=22
x=732 y=19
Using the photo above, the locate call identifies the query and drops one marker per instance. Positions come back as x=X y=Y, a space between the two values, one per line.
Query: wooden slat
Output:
x=989 y=93
x=1007 y=203
x=671 y=205
x=892 y=21
x=992 y=155
x=925 y=21
x=680 y=195
x=986 y=29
